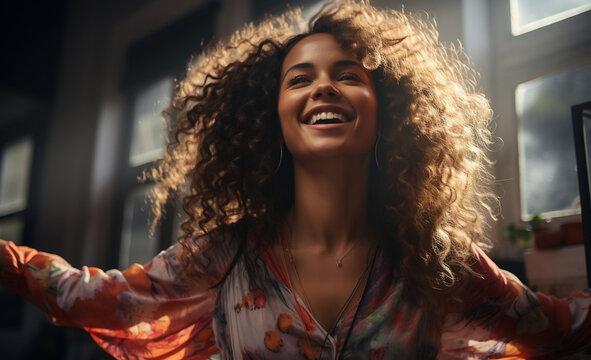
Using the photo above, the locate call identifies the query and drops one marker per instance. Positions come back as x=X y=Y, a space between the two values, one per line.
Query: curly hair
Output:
x=431 y=181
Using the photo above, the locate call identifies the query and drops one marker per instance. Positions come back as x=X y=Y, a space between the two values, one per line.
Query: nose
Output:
x=325 y=89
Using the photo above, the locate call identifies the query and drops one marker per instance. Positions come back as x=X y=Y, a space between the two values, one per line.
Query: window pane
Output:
x=12 y=229
x=148 y=135
x=14 y=175
x=546 y=147
x=528 y=15
x=137 y=244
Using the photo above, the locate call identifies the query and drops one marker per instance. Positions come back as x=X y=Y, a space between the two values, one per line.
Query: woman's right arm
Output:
x=159 y=308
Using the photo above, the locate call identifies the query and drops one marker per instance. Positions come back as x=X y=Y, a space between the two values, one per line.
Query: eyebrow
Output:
x=338 y=63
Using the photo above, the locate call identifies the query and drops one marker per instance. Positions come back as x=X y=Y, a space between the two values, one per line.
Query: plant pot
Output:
x=547 y=238
x=572 y=233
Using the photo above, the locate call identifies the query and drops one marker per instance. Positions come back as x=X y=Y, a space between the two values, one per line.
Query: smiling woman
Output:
x=337 y=194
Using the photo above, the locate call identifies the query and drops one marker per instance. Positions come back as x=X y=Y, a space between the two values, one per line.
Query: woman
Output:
x=336 y=196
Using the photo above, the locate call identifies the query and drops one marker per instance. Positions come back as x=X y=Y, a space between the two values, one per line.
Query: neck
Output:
x=330 y=205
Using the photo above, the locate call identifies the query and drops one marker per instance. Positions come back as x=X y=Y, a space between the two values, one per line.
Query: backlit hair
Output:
x=431 y=190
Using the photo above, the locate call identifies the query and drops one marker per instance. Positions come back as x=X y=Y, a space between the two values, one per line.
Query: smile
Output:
x=325 y=118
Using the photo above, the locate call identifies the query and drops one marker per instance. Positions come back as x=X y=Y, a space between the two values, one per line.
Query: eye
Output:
x=297 y=80
x=349 y=76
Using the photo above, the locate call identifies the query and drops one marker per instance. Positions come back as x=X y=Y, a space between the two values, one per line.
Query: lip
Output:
x=326 y=108
x=327 y=127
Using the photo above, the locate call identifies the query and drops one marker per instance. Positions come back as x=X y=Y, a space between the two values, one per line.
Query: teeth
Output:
x=326 y=116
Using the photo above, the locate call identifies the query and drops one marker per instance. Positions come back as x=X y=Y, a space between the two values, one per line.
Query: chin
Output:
x=331 y=152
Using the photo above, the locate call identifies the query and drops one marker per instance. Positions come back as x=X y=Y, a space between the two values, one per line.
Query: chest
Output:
x=262 y=321
x=329 y=292
x=329 y=286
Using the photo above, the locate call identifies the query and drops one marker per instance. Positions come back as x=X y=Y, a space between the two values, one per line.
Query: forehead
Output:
x=314 y=49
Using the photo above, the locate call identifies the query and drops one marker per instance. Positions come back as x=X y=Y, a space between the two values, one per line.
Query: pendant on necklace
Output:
x=339 y=263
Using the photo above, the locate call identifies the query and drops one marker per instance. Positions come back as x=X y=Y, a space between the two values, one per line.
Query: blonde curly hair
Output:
x=431 y=191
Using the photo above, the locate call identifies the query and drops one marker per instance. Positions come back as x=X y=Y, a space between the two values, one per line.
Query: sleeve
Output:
x=505 y=319
x=161 y=310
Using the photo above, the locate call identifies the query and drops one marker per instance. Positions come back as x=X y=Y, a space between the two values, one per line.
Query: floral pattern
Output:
x=254 y=300
x=163 y=310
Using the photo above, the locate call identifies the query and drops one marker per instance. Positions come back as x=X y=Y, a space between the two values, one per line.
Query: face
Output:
x=327 y=101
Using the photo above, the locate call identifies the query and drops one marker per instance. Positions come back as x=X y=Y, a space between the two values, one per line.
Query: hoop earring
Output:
x=280 y=157
x=375 y=152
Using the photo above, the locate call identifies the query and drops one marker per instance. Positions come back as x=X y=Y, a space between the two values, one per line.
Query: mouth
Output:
x=325 y=117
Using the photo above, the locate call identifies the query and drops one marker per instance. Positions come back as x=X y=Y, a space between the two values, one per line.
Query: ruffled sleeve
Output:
x=505 y=319
x=161 y=310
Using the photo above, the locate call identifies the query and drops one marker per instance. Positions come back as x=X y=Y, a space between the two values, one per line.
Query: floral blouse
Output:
x=164 y=310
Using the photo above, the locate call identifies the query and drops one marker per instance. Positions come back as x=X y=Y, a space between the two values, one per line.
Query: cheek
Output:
x=370 y=99
x=370 y=108
x=288 y=109
x=282 y=111
x=283 y=122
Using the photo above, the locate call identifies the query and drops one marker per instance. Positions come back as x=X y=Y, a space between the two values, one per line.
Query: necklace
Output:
x=340 y=259
x=286 y=253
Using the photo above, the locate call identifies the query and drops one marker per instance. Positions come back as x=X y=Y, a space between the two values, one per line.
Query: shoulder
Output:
x=211 y=252
x=487 y=285
x=483 y=265
x=486 y=271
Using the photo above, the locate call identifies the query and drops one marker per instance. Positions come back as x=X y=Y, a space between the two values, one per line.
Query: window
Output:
x=528 y=15
x=152 y=65
x=148 y=134
x=536 y=78
x=546 y=149
x=17 y=199
x=15 y=168
x=138 y=244
x=148 y=137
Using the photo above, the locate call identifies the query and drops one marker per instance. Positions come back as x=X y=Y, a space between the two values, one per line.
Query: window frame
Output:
x=34 y=128
x=517 y=30
x=148 y=60
x=128 y=182
x=517 y=59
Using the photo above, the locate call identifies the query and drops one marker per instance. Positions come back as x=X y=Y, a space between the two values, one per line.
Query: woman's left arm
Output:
x=505 y=318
